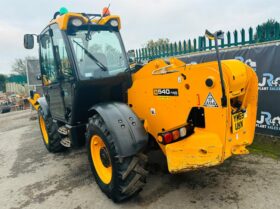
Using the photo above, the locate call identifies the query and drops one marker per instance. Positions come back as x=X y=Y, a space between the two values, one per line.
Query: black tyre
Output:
x=50 y=136
x=118 y=178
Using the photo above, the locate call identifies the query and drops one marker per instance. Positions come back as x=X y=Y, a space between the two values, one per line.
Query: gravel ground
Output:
x=30 y=177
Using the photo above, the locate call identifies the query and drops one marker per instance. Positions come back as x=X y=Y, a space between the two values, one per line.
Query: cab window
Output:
x=48 y=66
x=106 y=48
x=63 y=60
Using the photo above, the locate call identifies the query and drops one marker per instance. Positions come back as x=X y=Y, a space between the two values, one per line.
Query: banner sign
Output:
x=265 y=60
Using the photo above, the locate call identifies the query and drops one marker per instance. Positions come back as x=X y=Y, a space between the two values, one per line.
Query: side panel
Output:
x=127 y=130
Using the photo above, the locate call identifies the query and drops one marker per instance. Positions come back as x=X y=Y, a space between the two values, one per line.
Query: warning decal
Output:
x=210 y=101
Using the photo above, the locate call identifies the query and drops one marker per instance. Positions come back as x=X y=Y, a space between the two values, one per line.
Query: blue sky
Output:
x=141 y=20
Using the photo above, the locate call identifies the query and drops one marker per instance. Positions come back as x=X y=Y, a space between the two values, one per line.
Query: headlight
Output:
x=76 y=22
x=114 y=23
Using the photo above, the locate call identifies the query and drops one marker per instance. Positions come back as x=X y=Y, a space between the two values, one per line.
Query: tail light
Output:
x=167 y=138
x=183 y=132
x=174 y=135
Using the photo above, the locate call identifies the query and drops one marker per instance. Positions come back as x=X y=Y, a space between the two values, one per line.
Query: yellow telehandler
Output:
x=197 y=114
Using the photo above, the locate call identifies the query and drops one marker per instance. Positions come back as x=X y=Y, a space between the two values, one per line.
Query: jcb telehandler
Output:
x=198 y=114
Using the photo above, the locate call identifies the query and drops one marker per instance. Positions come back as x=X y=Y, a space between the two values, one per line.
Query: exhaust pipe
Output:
x=215 y=36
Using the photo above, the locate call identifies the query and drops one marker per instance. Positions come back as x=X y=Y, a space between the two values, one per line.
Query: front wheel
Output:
x=50 y=135
x=117 y=178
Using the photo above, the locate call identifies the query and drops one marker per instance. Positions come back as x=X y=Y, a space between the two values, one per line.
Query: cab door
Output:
x=65 y=68
x=56 y=72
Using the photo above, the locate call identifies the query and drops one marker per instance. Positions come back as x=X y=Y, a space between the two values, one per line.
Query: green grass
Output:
x=266 y=145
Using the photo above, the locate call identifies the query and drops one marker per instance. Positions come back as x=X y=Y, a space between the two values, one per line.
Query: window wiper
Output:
x=91 y=56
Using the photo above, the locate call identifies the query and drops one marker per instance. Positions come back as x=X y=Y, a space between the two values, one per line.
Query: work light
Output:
x=76 y=22
x=114 y=23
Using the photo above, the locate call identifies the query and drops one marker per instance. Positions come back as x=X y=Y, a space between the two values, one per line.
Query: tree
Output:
x=3 y=80
x=267 y=29
x=19 y=65
x=159 y=42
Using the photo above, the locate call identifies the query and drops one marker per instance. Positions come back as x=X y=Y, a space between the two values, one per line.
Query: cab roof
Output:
x=63 y=20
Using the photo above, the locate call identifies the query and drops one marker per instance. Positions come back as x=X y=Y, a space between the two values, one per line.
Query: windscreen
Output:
x=98 y=53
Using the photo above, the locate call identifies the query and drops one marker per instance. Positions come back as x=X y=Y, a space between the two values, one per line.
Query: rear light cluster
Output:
x=172 y=136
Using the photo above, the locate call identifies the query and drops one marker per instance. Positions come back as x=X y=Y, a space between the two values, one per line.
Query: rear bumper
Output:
x=202 y=149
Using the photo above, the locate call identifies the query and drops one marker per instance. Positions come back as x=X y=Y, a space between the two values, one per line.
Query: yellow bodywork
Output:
x=218 y=140
x=33 y=101
x=44 y=129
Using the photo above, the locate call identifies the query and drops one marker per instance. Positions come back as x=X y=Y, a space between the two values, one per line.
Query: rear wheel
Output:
x=118 y=178
x=51 y=137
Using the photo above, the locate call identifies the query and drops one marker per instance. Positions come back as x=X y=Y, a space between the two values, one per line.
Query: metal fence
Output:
x=236 y=38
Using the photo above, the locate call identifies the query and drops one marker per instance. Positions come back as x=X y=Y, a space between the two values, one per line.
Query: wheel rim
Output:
x=44 y=130
x=101 y=159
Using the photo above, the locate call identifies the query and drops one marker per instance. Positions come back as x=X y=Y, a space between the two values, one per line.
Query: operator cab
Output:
x=83 y=62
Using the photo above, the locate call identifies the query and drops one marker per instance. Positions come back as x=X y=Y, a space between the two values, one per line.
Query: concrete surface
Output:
x=30 y=177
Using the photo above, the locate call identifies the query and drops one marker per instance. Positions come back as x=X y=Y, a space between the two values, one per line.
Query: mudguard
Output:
x=44 y=105
x=127 y=130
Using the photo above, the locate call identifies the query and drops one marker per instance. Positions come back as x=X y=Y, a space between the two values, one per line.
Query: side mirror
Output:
x=28 y=41
x=39 y=77
x=131 y=56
